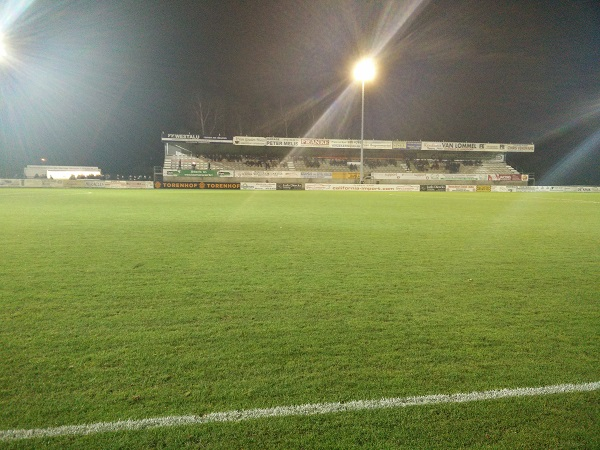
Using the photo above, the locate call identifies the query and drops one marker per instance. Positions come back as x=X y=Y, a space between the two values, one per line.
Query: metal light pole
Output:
x=362 y=134
x=364 y=71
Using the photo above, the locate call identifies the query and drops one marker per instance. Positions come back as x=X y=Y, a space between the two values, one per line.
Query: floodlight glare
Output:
x=364 y=70
x=3 y=49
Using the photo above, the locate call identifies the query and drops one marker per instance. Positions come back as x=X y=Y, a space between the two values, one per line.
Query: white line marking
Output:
x=298 y=410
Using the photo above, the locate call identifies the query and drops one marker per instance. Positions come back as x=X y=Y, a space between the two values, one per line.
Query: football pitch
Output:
x=219 y=319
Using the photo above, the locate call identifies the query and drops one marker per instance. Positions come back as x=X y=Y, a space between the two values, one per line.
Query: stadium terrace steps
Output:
x=184 y=162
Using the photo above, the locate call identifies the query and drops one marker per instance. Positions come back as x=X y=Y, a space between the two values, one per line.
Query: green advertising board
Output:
x=193 y=173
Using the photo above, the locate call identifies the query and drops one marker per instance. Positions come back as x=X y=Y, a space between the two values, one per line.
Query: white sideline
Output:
x=298 y=410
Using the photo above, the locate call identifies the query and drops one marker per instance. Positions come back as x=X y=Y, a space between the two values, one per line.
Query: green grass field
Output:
x=140 y=304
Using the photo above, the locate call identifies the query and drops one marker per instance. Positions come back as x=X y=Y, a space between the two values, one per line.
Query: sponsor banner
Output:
x=267 y=174
x=94 y=183
x=290 y=186
x=407 y=187
x=45 y=183
x=426 y=145
x=218 y=139
x=290 y=174
x=429 y=176
x=250 y=173
x=461 y=188
x=118 y=184
x=378 y=145
x=11 y=183
x=190 y=173
x=454 y=146
x=524 y=177
x=385 y=176
x=582 y=189
x=432 y=188
x=519 y=147
x=140 y=184
x=475 y=147
x=346 y=175
x=250 y=140
x=211 y=185
x=316 y=175
x=489 y=147
x=539 y=189
x=462 y=146
x=258 y=186
x=83 y=183
x=282 y=142
x=195 y=138
x=484 y=188
x=536 y=188
x=312 y=142
x=355 y=143
x=420 y=176
x=549 y=188
x=124 y=184
x=504 y=177
x=176 y=185
x=460 y=176
x=317 y=187
x=362 y=187
x=368 y=144
x=344 y=143
x=194 y=185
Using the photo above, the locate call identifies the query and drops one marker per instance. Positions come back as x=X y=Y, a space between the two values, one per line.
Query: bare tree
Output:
x=206 y=115
x=284 y=117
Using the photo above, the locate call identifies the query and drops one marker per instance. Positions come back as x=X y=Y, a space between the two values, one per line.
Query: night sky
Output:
x=96 y=82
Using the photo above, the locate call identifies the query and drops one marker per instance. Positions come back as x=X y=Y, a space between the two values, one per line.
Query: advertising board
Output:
x=290 y=186
x=194 y=185
x=195 y=138
x=461 y=188
x=282 y=142
x=432 y=188
x=10 y=183
x=413 y=145
x=250 y=140
x=362 y=187
x=258 y=186
x=380 y=144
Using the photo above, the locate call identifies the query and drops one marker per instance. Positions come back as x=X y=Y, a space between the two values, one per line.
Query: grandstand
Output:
x=300 y=160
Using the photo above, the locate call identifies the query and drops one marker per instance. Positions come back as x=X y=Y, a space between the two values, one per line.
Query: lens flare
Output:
x=580 y=156
x=3 y=50
x=338 y=117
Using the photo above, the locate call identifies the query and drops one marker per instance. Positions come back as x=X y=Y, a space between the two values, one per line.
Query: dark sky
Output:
x=95 y=82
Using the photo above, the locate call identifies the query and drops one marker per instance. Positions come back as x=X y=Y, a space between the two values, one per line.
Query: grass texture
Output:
x=135 y=304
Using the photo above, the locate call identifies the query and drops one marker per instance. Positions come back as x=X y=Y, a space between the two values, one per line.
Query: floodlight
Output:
x=364 y=70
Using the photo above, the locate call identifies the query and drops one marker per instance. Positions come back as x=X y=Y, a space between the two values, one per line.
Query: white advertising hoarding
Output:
x=362 y=187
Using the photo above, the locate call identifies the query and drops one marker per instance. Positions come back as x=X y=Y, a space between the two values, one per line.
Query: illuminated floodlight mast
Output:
x=363 y=71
